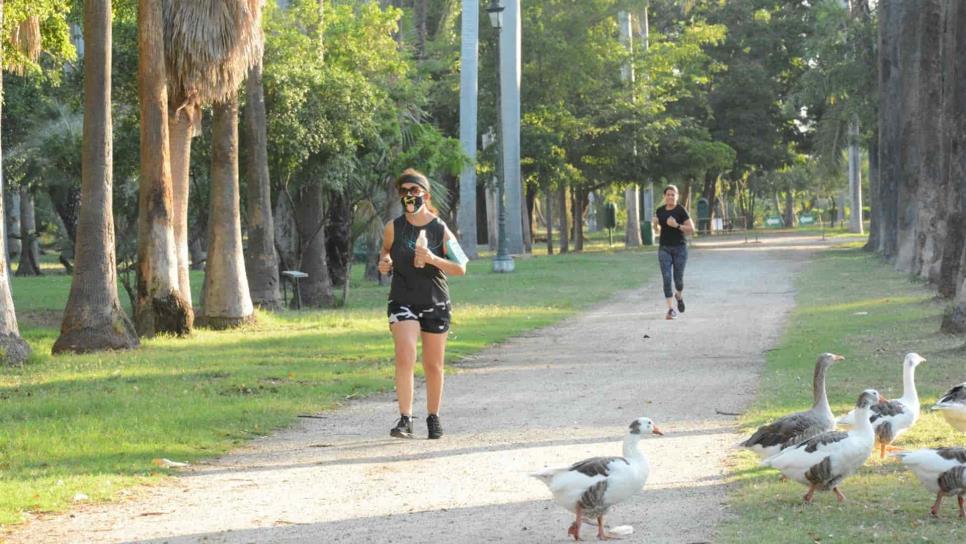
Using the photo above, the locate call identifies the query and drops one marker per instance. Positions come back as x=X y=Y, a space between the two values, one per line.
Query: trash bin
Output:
x=610 y=216
x=704 y=215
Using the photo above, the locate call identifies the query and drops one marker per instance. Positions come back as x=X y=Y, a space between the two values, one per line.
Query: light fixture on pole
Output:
x=503 y=261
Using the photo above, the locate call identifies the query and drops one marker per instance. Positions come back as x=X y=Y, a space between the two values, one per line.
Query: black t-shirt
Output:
x=411 y=285
x=671 y=236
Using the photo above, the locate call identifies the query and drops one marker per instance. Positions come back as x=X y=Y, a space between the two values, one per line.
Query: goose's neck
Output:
x=909 y=393
x=818 y=388
x=863 y=425
x=631 y=450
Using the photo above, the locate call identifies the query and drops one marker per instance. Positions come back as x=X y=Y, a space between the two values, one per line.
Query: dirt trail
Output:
x=549 y=398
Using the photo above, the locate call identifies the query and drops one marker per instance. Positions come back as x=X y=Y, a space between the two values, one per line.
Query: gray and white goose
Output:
x=952 y=405
x=897 y=416
x=787 y=431
x=590 y=487
x=942 y=471
x=823 y=461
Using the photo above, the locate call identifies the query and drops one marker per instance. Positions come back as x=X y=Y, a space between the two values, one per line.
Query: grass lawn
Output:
x=92 y=424
x=850 y=303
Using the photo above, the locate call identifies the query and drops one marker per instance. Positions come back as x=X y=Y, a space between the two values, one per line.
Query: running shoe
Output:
x=681 y=305
x=671 y=314
x=403 y=428
x=435 y=429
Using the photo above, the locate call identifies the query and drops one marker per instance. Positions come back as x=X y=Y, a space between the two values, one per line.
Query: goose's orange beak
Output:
x=657 y=431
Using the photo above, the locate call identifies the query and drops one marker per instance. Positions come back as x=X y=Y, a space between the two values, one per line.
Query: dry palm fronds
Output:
x=209 y=47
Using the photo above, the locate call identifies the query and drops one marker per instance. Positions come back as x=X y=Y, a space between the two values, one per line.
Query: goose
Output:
x=823 y=461
x=953 y=407
x=941 y=470
x=894 y=417
x=770 y=439
x=590 y=487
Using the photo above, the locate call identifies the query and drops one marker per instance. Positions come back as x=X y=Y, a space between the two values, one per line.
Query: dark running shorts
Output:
x=432 y=317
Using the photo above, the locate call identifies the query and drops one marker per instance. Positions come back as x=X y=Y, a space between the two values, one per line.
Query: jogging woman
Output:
x=673 y=222
x=419 y=305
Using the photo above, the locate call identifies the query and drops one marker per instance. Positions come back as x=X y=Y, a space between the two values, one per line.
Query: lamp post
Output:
x=503 y=261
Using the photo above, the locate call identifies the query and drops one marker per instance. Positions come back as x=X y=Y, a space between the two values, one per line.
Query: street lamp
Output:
x=503 y=261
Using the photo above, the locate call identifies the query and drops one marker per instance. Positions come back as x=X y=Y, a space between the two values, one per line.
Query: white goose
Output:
x=953 y=407
x=894 y=417
x=770 y=439
x=824 y=460
x=590 y=487
x=942 y=471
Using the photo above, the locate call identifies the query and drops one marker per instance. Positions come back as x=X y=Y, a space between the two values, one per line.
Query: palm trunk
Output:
x=13 y=226
x=13 y=349
x=261 y=261
x=891 y=13
x=226 y=302
x=931 y=197
x=30 y=247
x=578 y=220
x=160 y=308
x=910 y=132
x=316 y=290
x=875 y=199
x=180 y=132
x=94 y=319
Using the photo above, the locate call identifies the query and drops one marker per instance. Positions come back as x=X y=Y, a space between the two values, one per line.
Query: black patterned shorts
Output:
x=432 y=317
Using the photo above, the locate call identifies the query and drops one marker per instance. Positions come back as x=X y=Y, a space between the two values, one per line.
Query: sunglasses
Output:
x=410 y=191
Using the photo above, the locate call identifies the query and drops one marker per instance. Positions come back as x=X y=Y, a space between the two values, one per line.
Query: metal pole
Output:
x=503 y=261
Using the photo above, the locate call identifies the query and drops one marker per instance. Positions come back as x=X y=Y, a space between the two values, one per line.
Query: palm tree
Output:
x=13 y=349
x=209 y=45
x=93 y=318
x=261 y=261
x=226 y=299
x=159 y=306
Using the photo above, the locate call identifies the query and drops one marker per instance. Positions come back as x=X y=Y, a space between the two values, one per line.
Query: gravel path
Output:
x=549 y=398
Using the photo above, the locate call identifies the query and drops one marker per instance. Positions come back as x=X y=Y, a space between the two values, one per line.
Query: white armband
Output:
x=455 y=253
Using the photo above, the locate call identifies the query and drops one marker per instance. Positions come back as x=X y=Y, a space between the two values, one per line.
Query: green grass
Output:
x=885 y=502
x=93 y=424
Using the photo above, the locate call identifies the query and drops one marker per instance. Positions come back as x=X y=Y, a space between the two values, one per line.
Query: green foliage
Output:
x=886 y=502
x=54 y=33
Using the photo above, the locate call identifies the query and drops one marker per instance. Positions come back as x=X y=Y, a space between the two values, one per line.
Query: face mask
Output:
x=415 y=201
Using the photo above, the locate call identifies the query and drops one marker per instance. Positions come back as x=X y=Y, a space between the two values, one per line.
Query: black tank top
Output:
x=411 y=285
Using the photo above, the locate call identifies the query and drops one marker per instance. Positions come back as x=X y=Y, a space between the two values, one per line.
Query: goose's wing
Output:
x=787 y=431
x=810 y=452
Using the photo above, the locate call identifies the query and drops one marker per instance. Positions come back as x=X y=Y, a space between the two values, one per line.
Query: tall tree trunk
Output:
x=13 y=349
x=910 y=129
x=94 y=319
x=226 y=301
x=316 y=290
x=955 y=319
x=562 y=212
x=180 y=130
x=261 y=261
x=875 y=198
x=632 y=199
x=30 y=252
x=549 y=219
x=338 y=227
x=469 y=98
x=789 y=208
x=526 y=217
x=13 y=225
x=931 y=196
x=373 y=245
x=160 y=307
x=578 y=220
x=891 y=13
x=420 y=16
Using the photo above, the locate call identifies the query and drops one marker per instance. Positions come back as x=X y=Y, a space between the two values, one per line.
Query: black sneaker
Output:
x=671 y=314
x=403 y=428
x=681 y=305
x=435 y=429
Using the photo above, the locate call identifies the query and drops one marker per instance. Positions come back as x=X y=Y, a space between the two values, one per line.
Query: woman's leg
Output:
x=665 y=260
x=434 y=353
x=680 y=258
x=404 y=335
